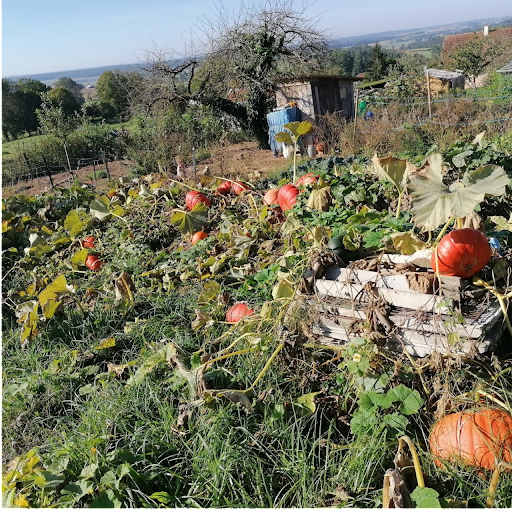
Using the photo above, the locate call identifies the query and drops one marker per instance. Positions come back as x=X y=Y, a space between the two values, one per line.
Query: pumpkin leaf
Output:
x=407 y=243
x=59 y=285
x=284 y=137
x=434 y=203
x=502 y=224
x=425 y=497
x=392 y=169
x=237 y=397
x=79 y=257
x=100 y=208
x=190 y=222
x=410 y=400
x=76 y=222
x=283 y=289
x=106 y=343
x=320 y=199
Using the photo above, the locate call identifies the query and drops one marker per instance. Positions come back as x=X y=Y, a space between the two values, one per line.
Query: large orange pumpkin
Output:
x=235 y=313
x=238 y=187
x=477 y=438
x=287 y=196
x=194 y=197
x=462 y=253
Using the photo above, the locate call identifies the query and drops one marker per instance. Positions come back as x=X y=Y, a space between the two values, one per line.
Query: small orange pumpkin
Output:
x=270 y=197
x=89 y=242
x=307 y=179
x=200 y=235
x=224 y=188
x=480 y=438
x=238 y=311
x=92 y=261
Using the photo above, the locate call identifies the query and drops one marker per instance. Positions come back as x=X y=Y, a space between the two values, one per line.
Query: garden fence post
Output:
x=48 y=172
x=428 y=96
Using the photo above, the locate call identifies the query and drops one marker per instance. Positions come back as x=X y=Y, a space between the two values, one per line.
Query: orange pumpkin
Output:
x=480 y=438
x=238 y=311
x=307 y=179
x=89 y=242
x=200 y=235
x=224 y=188
x=92 y=261
x=287 y=196
x=270 y=196
x=194 y=197
x=237 y=187
x=462 y=253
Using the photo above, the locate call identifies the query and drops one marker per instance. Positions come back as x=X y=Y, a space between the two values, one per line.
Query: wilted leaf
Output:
x=79 y=257
x=392 y=169
x=106 y=343
x=100 y=207
x=284 y=137
x=59 y=285
x=125 y=287
x=209 y=293
x=50 y=307
x=434 y=203
x=283 y=289
x=307 y=402
x=407 y=243
x=234 y=396
x=320 y=199
x=201 y=320
x=502 y=224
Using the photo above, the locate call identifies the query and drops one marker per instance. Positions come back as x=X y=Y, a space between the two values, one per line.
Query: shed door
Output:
x=326 y=98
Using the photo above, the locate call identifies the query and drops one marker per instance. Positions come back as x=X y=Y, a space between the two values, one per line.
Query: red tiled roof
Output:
x=450 y=43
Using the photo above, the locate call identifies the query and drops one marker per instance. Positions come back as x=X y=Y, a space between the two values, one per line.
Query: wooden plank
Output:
x=404 y=299
x=450 y=286
x=418 y=345
x=435 y=324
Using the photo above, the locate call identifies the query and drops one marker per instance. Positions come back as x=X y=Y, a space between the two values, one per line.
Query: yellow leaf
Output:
x=59 y=285
x=407 y=243
x=21 y=501
x=106 y=343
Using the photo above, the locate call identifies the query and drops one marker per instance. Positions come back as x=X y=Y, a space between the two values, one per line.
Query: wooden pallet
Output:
x=421 y=322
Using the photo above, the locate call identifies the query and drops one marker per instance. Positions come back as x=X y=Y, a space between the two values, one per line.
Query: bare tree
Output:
x=237 y=57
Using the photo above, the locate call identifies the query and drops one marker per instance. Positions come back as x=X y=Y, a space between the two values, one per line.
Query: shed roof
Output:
x=507 y=68
x=443 y=74
x=288 y=80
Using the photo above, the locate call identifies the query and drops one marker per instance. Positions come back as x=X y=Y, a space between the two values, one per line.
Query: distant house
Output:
x=316 y=95
x=452 y=43
x=441 y=80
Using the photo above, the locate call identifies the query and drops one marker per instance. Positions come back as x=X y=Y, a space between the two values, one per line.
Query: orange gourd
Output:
x=238 y=187
x=92 y=261
x=238 y=311
x=270 y=197
x=307 y=179
x=480 y=438
x=287 y=196
x=194 y=197
x=224 y=188
x=89 y=242
x=462 y=253
x=200 y=235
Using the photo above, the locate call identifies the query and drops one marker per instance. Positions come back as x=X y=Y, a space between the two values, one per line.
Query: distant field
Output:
x=424 y=52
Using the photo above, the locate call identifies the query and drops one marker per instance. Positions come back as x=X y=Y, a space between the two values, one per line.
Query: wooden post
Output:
x=428 y=96
x=48 y=172
x=355 y=115
x=105 y=161
x=194 y=159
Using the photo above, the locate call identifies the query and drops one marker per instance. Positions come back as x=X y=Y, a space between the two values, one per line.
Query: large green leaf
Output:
x=190 y=222
x=410 y=400
x=434 y=203
x=76 y=221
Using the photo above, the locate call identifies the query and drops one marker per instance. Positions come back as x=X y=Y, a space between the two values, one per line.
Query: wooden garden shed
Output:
x=317 y=95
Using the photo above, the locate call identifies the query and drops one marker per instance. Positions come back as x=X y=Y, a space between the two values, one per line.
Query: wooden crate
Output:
x=418 y=311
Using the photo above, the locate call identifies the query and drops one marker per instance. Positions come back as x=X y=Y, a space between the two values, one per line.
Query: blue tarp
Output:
x=276 y=121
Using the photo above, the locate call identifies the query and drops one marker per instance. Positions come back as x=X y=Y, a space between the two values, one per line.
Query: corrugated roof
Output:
x=443 y=74
x=288 y=80
x=507 y=68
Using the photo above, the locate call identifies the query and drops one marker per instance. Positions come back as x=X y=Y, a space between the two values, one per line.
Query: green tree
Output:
x=64 y=98
x=246 y=51
x=72 y=86
x=474 y=57
x=115 y=92
x=19 y=103
x=379 y=62
x=54 y=120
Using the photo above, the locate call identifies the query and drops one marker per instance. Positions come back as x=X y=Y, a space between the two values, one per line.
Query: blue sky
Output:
x=40 y=36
